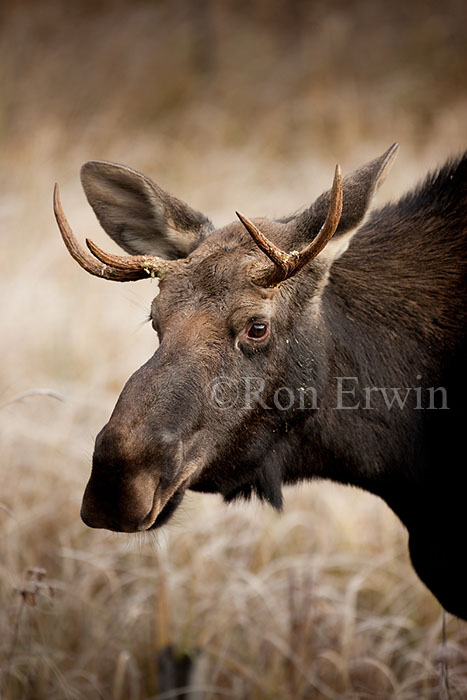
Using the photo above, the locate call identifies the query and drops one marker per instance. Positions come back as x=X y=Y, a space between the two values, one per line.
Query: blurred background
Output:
x=229 y=105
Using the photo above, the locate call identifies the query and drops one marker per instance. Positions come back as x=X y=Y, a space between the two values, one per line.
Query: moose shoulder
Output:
x=328 y=344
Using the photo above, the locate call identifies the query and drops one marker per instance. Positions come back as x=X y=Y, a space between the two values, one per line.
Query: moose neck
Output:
x=356 y=352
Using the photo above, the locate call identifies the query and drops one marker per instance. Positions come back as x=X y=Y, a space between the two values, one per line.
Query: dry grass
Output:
x=318 y=603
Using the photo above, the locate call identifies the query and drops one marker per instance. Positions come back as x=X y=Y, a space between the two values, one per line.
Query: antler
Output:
x=120 y=268
x=287 y=265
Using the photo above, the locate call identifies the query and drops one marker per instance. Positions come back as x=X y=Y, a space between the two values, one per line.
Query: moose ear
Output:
x=139 y=215
x=358 y=190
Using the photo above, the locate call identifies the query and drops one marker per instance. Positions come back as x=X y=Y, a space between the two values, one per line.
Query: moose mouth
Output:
x=169 y=509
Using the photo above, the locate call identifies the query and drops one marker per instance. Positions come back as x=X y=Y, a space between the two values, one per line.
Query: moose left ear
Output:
x=139 y=215
x=358 y=189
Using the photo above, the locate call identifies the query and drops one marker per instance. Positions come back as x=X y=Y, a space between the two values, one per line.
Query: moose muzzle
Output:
x=146 y=455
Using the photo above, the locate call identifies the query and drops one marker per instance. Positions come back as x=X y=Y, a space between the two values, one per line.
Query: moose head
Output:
x=233 y=303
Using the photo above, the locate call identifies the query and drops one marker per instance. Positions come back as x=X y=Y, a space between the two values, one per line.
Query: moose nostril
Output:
x=99 y=519
x=127 y=506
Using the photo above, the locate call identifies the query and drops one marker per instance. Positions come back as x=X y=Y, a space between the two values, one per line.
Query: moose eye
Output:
x=257 y=330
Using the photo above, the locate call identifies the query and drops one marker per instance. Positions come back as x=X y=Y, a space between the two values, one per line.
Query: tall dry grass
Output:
x=229 y=110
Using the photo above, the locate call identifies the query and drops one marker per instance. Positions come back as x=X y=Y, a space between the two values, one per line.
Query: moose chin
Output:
x=375 y=298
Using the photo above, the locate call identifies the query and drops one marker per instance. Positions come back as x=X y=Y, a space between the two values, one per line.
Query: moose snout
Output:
x=123 y=492
x=139 y=455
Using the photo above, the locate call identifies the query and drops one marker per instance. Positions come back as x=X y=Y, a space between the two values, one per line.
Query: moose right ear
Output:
x=139 y=216
x=359 y=188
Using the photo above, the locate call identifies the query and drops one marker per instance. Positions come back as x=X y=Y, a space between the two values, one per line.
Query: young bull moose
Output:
x=320 y=345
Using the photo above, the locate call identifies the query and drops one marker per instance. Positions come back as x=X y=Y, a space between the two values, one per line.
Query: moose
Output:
x=328 y=344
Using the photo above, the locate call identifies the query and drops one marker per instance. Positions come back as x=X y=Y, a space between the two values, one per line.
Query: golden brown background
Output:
x=230 y=105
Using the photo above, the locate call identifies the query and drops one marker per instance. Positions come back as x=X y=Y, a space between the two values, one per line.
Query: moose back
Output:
x=328 y=344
